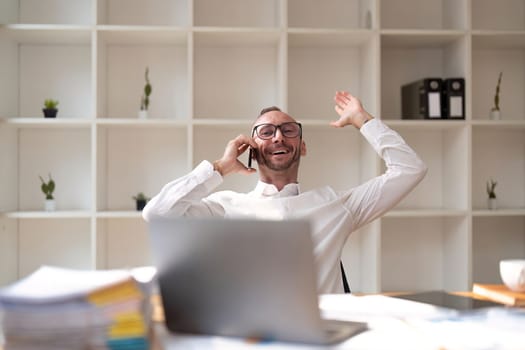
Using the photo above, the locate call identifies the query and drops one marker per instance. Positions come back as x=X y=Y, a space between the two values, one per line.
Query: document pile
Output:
x=56 y=308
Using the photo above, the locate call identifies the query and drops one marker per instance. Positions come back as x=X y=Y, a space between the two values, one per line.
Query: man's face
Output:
x=278 y=152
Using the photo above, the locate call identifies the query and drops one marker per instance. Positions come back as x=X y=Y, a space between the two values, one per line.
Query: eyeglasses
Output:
x=267 y=131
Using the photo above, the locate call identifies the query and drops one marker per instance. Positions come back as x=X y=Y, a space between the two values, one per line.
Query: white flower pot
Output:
x=492 y=203
x=50 y=205
x=495 y=115
x=143 y=114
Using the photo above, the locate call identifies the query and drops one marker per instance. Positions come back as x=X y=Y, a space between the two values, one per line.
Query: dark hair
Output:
x=269 y=109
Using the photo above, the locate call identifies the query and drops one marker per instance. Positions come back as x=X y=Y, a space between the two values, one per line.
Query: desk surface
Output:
x=387 y=328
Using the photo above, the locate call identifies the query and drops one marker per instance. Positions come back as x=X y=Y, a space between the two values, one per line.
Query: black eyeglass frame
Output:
x=255 y=130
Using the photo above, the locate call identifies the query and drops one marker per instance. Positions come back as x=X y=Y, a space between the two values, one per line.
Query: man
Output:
x=278 y=145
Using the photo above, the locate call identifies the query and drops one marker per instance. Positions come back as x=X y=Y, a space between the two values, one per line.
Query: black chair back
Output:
x=346 y=287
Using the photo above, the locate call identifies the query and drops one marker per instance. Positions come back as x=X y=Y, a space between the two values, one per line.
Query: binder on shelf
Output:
x=453 y=98
x=422 y=99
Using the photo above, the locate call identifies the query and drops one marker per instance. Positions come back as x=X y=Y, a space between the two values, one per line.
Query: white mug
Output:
x=512 y=272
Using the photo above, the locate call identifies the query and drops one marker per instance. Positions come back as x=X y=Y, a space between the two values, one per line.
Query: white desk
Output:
x=368 y=340
x=394 y=324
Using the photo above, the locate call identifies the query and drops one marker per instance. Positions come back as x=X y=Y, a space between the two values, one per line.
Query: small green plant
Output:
x=491 y=186
x=48 y=187
x=140 y=197
x=496 y=95
x=140 y=200
x=50 y=104
x=144 y=101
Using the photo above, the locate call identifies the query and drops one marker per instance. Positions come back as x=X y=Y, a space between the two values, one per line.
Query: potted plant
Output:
x=495 y=112
x=144 y=101
x=140 y=200
x=50 y=108
x=491 y=185
x=48 y=187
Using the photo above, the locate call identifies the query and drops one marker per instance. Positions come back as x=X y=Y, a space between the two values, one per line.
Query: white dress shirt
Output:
x=333 y=215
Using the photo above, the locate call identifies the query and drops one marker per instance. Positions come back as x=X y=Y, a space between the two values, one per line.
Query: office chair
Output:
x=346 y=287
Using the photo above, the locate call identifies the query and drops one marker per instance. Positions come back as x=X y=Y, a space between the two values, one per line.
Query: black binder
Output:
x=421 y=99
x=453 y=99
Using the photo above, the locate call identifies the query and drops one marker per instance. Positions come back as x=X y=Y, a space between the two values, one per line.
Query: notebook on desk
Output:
x=241 y=278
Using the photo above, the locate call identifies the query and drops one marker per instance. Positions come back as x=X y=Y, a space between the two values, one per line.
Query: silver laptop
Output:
x=241 y=278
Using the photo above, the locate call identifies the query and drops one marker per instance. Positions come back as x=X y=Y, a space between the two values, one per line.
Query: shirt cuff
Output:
x=372 y=130
x=206 y=175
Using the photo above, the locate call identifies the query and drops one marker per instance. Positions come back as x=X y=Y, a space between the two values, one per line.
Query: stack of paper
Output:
x=56 y=308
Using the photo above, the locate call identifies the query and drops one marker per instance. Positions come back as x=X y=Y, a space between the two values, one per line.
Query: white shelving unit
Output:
x=213 y=65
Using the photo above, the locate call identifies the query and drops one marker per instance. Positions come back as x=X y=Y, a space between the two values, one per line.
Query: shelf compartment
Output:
x=331 y=14
x=445 y=152
x=44 y=68
x=237 y=13
x=424 y=14
x=9 y=155
x=122 y=243
x=498 y=15
x=47 y=12
x=42 y=242
x=495 y=239
x=498 y=154
x=411 y=57
x=132 y=160
x=334 y=60
x=492 y=54
x=433 y=254
x=42 y=71
x=8 y=250
x=144 y=13
x=247 y=80
x=121 y=80
x=9 y=66
x=66 y=154
x=483 y=39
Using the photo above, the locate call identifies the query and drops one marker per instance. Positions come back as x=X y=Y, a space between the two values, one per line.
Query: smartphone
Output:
x=251 y=154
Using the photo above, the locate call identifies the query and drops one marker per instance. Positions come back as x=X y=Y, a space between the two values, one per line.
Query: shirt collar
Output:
x=268 y=190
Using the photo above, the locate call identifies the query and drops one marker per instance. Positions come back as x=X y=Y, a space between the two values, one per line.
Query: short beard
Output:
x=262 y=160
